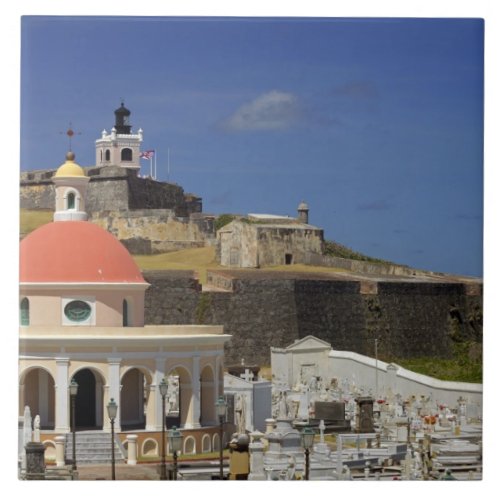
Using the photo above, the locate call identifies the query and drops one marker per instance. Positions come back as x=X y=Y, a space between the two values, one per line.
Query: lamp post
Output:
x=221 y=406
x=175 y=441
x=307 y=442
x=112 y=411
x=73 y=391
x=163 y=392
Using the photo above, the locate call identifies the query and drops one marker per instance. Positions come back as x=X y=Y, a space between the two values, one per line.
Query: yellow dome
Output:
x=70 y=168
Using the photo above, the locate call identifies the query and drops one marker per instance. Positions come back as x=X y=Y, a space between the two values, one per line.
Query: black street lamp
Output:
x=221 y=406
x=112 y=412
x=73 y=391
x=307 y=442
x=163 y=391
x=175 y=442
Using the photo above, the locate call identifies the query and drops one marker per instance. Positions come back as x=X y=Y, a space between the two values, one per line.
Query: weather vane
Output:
x=70 y=133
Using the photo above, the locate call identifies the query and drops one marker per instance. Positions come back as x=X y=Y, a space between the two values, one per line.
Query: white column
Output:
x=43 y=396
x=218 y=377
x=132 y=449
x=60 y=440
x=195 y=394
x=113 y=392
x=62 y=396
x=154 y=411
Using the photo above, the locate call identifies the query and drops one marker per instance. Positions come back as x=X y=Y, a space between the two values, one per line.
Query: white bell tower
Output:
x=71 y=187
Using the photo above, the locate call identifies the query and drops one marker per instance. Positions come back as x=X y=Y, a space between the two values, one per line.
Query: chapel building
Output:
x=82 y=319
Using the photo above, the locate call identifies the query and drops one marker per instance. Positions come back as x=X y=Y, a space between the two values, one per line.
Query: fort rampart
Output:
x=410 y=319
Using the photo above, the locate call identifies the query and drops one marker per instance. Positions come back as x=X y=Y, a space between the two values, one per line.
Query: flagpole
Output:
x=155 y=153
x=151 y=167
x=168 y=164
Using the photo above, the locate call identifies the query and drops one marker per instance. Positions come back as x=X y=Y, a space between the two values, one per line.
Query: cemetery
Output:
x=325 y=416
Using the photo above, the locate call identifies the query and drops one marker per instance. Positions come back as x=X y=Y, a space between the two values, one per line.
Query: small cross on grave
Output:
x=248 y=375
x=322 y=428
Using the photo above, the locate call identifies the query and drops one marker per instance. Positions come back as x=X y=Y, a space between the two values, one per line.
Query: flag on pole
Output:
x=147 y=155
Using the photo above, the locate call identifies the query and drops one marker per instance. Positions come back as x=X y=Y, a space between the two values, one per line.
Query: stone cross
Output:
x=321 y=428
x=248 y=375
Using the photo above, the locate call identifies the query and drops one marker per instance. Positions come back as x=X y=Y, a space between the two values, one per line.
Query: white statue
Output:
x=313 y=384
x=282 y=405
x=173 y=394
x=27 y=432
x=36 y=429
x=240 y=413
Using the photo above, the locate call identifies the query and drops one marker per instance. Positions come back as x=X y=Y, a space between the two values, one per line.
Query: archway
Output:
x=180 y=400
x=89 y=400
x=37 y=391
x=133 y=399
x=126 y=154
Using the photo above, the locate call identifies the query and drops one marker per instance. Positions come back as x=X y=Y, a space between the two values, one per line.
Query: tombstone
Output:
x=256 y=464
x=402 y=433
x=322 y=448
x=333 y=410
x=364 y=417
x=303 y=410
x=333 y=415
x=346 y=473
x=472 y=412
x=35 y=461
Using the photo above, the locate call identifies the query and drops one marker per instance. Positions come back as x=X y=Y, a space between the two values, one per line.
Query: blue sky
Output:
x=376 y=123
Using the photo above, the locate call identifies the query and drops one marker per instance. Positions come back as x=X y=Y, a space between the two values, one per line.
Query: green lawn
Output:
x=202 y=259
x=195 y=259
x=444 y=369
x=32 y=219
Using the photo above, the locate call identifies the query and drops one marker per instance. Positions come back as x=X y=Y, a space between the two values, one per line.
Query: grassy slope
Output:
x=31 y=219
x=196 y=259
x=445 y=369
x=201 y=259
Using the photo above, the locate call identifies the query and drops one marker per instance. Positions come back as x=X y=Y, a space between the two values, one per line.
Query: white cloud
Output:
x=271 y=111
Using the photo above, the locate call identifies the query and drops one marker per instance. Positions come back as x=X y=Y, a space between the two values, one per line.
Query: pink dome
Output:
x=75 y=252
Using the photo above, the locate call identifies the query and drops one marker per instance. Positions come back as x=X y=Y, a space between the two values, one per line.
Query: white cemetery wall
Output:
x=345 y=364
x=279 y=363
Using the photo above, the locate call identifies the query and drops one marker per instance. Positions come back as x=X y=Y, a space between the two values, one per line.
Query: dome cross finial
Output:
x=70 y=133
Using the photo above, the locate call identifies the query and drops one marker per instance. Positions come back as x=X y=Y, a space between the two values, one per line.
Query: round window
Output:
x=77 y=310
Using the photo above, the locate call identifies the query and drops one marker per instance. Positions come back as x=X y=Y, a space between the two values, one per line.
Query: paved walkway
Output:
x=122 y=472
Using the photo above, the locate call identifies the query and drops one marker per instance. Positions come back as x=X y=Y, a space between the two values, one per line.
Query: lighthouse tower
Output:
x=120 y=147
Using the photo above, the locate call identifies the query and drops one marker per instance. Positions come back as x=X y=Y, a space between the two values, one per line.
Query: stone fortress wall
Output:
x=147 y=216
x=263 y=310
x=248 y=244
